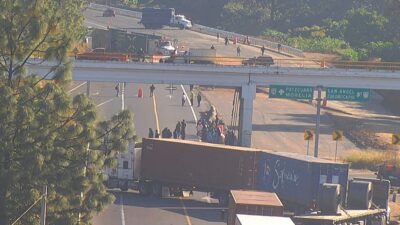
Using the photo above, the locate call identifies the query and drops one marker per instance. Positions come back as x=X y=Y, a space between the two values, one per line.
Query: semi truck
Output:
x=303 y=183
x=155 y=18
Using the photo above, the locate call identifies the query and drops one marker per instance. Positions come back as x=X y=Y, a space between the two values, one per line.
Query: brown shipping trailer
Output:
x=196 y=166
x=253 y=203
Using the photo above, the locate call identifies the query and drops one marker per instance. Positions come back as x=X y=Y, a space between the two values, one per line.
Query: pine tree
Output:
x=48 y=137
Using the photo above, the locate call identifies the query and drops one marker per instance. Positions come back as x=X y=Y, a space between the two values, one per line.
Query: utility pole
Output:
x=88 y=88
x=43 y=207
x=319 y=99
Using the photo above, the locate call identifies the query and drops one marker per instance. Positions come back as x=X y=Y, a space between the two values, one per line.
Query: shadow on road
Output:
x=195 y=208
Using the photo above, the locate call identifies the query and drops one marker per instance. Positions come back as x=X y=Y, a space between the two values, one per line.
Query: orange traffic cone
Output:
x=140 y=93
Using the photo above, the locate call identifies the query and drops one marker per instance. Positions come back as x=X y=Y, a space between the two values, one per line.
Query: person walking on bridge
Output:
x=262 y=50
x=238 y=51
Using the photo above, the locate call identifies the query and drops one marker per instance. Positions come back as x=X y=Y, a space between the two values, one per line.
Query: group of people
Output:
x=245 y=41
x=191 y=98
x=179 y=132
x=213 y=132
x=211 y=129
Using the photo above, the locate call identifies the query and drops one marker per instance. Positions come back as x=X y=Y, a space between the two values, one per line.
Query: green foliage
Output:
x=315 y=32
x=242 y=18
x=276 y=35
x=335 y=29
x=349 y=54
x=44 y=132
x=324 y=45
x=387 y=51
x=364 y=26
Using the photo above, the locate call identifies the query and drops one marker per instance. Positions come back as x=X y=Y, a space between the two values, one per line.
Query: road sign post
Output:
x=308 y=135
x=319 y=99
x=337 y=136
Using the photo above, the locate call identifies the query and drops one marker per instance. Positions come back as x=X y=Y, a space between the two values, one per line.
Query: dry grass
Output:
x=370 y=159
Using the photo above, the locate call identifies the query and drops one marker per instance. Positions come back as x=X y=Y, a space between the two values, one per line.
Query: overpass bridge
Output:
x=247 y=78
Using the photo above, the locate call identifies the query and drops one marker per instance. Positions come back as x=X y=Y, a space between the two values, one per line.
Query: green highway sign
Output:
x=291 y=92
x=348 y=94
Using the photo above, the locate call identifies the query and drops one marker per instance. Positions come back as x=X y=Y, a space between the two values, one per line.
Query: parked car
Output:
x=109 y=13
x=260 y=60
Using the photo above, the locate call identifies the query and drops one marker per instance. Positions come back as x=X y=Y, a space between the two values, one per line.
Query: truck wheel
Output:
x=223 y=199
x=143 y=188
x=157 y=189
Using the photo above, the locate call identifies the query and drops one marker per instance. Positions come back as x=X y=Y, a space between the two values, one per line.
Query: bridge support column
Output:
x=247 y=95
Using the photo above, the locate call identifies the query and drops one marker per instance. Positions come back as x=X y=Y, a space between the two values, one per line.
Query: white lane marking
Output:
x=95 y=24
x=121 y=202
x=191 y=107
x=80 y=85
x=122 y=96
x=109 y=100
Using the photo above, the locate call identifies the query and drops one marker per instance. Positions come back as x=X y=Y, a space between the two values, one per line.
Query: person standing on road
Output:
x=157 y=135
x=217 y=37
x=238 y=51
x=151 y=134
x=183 y=129
x=152 y=88
x=183 y=99
x=279 y=47
x=117 y=90
x=262 y=50
x=178 y=129
x=198 y=99
x=226 y=41
x=191 y=98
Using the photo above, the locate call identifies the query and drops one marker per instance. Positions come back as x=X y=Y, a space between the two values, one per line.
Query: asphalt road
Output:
x=134 y=209
x=167 y=106
x=131 y=208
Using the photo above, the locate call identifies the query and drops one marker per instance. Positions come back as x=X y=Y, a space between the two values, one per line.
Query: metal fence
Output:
x=212 y=31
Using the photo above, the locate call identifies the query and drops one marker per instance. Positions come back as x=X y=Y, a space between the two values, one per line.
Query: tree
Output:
x=364 y=26
x=45 y=133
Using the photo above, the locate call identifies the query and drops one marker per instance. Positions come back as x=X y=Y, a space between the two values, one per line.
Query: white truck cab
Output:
x=181 y=21
x=166 y=48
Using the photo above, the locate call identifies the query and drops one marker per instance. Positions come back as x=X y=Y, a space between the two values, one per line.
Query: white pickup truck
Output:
x=181 y=21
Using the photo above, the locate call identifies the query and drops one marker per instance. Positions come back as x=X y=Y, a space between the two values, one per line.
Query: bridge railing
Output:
x=213 y=31
x=252 y=40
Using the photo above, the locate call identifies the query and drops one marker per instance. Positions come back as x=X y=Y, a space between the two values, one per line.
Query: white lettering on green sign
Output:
x=347 y=94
